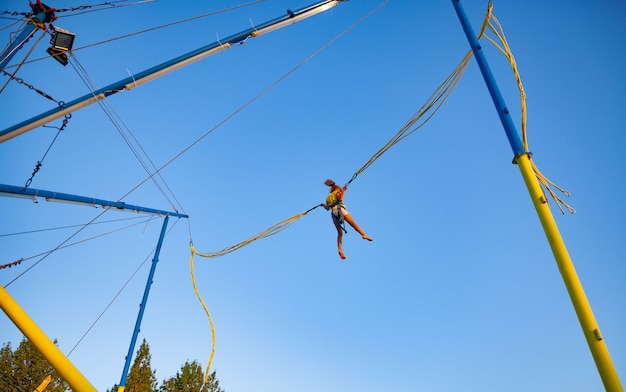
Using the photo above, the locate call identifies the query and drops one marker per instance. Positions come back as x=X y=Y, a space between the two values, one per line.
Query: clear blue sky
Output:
x=459 y=290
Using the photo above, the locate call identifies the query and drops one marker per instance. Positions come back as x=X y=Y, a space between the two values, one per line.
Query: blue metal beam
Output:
x=503 y=111
x=16 y=44
x=40 y=15
x=156 y=71
x=142 y=308
x=587 y=320
x=30 y=193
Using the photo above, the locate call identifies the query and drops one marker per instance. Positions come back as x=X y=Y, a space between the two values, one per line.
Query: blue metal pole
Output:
x=503 y=112
x=590 y=327
x=40 y=16
x=16 y=191
x=16 y=45
x=149 y=74
x=142 y=307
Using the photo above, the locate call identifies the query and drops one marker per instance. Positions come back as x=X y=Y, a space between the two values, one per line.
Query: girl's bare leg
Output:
x=348 y=218
x=339 y=241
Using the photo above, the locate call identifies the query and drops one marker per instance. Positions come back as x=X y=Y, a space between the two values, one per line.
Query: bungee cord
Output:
x=272 y=229
x=502 y=44
x=415 y=122
x=433 y=104
x=278 y=227
x=436 y=100
x=430 y=107
x=424 y=114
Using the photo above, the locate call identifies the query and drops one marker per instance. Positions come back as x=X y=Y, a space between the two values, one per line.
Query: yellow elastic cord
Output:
x=206 y=310
x=431 y=106
x=501 y=43
x=435 y=101
x=280 y=226
x=265 y=233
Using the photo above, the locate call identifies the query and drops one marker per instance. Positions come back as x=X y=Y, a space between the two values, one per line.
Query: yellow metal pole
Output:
x=45 y=346
x=566 y=267
x=43 y=384
x=575 y=289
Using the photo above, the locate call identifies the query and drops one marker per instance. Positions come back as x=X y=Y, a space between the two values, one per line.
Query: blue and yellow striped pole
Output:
x=577 y=295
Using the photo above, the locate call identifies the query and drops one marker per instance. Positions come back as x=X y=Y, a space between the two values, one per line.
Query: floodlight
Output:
x=62 y=40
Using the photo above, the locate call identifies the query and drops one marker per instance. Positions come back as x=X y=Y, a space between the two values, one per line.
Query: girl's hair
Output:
x=332 y=185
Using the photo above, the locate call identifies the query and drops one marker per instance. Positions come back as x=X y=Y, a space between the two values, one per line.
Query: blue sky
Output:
x=459 y=290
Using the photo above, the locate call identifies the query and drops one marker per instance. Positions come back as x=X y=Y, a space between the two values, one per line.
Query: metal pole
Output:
x=44 y=345
x=142 y=307
x=40 y=14
x=17 y=44
x=34 y=334
x=31 y=193
x=566 y=267
x=168 y=66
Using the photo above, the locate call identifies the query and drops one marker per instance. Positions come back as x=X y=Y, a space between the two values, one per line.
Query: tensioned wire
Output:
x=67 y=244
x=145 y=30
x=278 y=226
x=17 y=67
x=124 y=131
x=435 y=101
x=82 y=226
x=93 y=324
x=68 y=227
x=424 y=114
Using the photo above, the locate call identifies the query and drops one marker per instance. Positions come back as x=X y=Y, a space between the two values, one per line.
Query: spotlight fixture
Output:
x=62 y=41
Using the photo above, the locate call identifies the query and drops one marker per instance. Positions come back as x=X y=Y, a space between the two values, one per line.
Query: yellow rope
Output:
x=263 y=234
x=206 y=310
x=280 y=226
x=273 y=229
x=435 y=101
x=501 y=43
x=430 y=107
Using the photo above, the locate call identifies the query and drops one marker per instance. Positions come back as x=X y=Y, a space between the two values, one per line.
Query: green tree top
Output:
x=25 y=368
x=190 y=378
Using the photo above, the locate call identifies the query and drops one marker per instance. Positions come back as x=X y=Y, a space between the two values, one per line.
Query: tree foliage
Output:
x=141 y=377
x=190 y=378
x=25 y=368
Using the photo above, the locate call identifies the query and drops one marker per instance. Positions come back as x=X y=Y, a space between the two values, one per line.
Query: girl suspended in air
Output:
x=334 y=202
